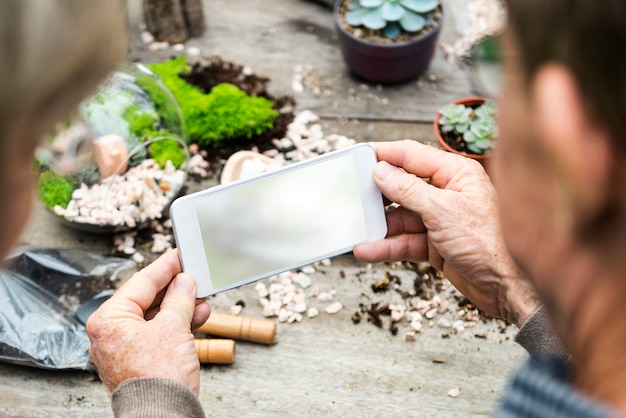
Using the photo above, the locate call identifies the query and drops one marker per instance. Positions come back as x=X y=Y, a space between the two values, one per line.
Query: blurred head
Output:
x=560 y=167
x=53 y=54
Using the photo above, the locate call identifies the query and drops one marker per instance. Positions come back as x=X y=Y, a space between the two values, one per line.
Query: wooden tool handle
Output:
x=240 y=328
x=215 y=351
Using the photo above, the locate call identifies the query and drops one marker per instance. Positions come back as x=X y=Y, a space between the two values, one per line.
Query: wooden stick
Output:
x=240 y=328
x=215 y=351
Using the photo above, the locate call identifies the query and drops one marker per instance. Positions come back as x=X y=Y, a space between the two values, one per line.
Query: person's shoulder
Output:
x=542 y=387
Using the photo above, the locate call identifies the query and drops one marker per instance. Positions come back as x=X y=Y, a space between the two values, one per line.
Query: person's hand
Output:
x=448 y=215
x=144 y=329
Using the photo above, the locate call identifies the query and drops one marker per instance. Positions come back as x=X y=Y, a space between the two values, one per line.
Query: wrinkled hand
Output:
x=448 y=215
x=144 y=329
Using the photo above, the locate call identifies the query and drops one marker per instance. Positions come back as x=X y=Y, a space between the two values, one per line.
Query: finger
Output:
x=201 y=314
x=144 y=287
x=403 y=221
x=411 y=247
x=408 y=190
x=422 y=160
x=179 y=301
x=156 y=307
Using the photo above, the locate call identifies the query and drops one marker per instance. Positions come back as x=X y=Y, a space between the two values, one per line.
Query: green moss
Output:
x=225 y=113
x=140 y=124
x=167 y=149
x=54 y=190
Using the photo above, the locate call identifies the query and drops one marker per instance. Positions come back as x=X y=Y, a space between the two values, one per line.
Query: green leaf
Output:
x=469 y=137
x=371 y=3
x=355 y=17
x=374 y=20
x=392 y=30
x=484 y=144
x=462 y=128
x=412 y=22
x=420 y=6
x=392 y=12
x=474 y=148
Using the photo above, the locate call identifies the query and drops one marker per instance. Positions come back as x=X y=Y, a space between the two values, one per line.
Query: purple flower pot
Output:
x=386 y=63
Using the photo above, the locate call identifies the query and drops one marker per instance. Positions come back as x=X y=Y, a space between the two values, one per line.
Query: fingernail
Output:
x=383 y=170
x=185 y=282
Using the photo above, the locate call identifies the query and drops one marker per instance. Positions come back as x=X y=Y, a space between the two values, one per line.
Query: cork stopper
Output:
x=240 y=328
x=215 y=351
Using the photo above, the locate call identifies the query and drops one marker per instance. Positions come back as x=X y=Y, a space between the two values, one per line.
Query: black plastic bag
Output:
x=40 y=290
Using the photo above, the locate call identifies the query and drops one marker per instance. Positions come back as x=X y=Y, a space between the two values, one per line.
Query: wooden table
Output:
x=325 y=366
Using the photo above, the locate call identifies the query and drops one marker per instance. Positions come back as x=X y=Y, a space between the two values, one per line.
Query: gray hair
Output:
x=53 y=53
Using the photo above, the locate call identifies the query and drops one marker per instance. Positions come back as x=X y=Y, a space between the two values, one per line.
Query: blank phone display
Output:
x=284 y=220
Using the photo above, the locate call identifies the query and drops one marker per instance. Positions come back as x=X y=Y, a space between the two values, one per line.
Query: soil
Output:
x=376 y=36
x=455 y=141
x=212 y=71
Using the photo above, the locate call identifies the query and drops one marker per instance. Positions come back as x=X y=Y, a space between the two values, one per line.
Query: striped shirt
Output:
x=542 y=388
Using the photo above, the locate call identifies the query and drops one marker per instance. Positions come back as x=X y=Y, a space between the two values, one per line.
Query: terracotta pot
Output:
x=467 y=101
x=386 y=63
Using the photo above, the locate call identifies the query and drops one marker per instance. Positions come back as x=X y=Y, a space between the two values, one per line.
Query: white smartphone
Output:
x=238 y=233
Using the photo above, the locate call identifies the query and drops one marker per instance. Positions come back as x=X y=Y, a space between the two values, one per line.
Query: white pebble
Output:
x=458 y=326
x=414 y=316
x=443 y=323
x=193 y=51
x=334 y=308
x=443 y=307
x=431 y=313
x=283 y=315
x=417 y=326
x=325 y=297
x=294 y=317
x=397 y=312
x=138 y=258
x=312 y=313
x=147 y=37
x=303 y=280
x=308 y=269
x=261 y=290
x=157 y=46
x=236 y=309
x=454 y=392
x=299 y=307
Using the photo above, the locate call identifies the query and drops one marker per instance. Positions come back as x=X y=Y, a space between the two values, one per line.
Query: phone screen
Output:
x=283 y=220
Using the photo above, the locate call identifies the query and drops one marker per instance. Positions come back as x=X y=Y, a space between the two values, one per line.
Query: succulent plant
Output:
x=479 y=137
x=455 y=118
x=477 y=125
x=391 y=16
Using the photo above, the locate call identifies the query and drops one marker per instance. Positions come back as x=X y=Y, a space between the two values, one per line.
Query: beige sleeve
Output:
x=536 y=335
x=153 y=397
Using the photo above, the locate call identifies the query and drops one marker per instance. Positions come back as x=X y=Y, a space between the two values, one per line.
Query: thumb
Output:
x=405 y=189
x=179 y=300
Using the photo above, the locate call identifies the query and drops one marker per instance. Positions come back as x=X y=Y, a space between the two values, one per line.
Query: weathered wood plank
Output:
x=274 y=39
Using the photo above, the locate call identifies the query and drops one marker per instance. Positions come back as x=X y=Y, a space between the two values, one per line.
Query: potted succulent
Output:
x=468 y=127
x=388 y=41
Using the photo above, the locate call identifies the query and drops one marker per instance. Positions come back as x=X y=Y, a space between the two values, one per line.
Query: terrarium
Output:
x=119 y=161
